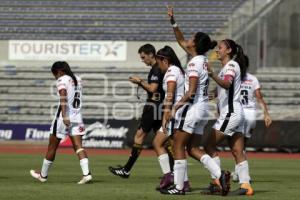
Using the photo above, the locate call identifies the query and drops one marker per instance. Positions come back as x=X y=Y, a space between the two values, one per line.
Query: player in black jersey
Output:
x=152 y=111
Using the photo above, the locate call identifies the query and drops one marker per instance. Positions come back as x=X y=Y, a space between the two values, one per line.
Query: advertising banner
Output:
x=47 y=50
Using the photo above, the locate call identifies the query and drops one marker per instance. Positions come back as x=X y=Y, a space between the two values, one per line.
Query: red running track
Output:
x=41 y=149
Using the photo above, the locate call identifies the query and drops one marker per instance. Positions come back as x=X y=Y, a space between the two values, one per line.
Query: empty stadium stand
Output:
x=28 y=94
x=143 y=20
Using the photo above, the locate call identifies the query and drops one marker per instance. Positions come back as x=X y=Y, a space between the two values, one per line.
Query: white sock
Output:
x=217 y=160
x=210 y=164
x=243 y=172
x=236 y=169
x=45 y=168
x=186 y=178
x=84 y=164
x=179 y=171
x=164 y=163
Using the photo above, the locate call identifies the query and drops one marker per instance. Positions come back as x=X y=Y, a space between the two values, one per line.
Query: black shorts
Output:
x=151 y=117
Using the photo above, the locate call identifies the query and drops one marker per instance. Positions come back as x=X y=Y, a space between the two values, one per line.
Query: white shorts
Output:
x=250 y=122
x=59 y=129
x=170 y=128
x=191 y=118
x=230 y=123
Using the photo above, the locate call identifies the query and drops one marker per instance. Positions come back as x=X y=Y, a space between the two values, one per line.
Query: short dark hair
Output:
x=147 y=49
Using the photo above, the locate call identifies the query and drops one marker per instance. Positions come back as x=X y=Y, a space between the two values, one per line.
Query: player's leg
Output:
x=148 y=122
x=223 y=182
x=48 y=160
x=83 y=158
x=163 y=159
x=242 y=166
x=181 y=139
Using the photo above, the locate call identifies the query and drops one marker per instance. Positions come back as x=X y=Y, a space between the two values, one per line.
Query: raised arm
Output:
x=178 y=34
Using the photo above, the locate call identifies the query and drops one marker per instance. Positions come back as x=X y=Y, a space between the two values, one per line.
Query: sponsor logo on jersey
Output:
x=154 y=78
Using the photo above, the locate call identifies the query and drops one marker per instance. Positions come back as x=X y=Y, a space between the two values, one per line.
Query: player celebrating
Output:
x=67 y=121
x=250 y=93
x=230 y=122
x=173 y=85
x=151 y=117
x=191 y=111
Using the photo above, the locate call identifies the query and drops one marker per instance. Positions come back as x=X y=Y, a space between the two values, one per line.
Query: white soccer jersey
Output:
x=197 y=67
x=174 y=74
x=248 y=87
x=73 y=97
x=230 y=98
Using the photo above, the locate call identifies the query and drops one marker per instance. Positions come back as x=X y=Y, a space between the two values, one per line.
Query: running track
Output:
x=41 y=149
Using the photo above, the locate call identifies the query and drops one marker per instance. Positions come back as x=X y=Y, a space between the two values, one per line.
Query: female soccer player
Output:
x=230 y=122
x=67 y=121
x=250 y=93
x=191 y=111
x=173 y=85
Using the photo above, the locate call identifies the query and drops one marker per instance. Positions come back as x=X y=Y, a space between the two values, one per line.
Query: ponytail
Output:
x=168 y=53
x=203 y=43
x=237 y=54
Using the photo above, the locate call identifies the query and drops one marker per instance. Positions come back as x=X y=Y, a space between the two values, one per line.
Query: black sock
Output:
x=135 y=152
x=171 y=156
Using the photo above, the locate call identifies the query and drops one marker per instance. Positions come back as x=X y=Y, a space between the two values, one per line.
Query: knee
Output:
x=237 y=153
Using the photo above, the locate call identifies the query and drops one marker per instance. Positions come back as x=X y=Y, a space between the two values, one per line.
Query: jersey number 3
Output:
x=244 y=96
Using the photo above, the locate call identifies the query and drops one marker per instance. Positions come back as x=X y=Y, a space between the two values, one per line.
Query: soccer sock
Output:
x=217 y=160
x=164 y=163
x=179 y=171
x=84 y=164
x=236 y=169
x=243 y=172
x=210 y=164
x=135 y=152
x=45 y=168
x=186 y=178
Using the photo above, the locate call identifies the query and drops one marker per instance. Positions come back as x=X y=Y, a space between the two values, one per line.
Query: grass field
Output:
x=273 y=179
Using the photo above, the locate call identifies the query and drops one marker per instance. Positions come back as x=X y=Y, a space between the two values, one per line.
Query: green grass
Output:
x=273 y=179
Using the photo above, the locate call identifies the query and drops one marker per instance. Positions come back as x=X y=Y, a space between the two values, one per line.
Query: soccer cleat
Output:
x=172 y=191
x=212 y=189
x=187 y=186
x=166 y=181
x=37 y=175
x=119 y=171
x=245 y=189
x=225 y=182
x=85 y=179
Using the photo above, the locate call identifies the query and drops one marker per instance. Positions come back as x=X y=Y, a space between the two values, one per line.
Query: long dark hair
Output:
x=203 y=43
x=64 y=66
x=168 y=53
x=238 y=55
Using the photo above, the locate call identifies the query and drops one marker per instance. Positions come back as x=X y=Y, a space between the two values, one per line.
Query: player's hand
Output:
x=135 y=79
x=66 y=121
x=166 y=119
x=268 y=120
x=170 y=11
x=210 y=70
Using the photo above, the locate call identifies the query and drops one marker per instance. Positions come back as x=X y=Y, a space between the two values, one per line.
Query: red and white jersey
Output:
x=229 y=99
x=248 y=87
x=197 y=67
x=174 y=74
x=74 y=95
